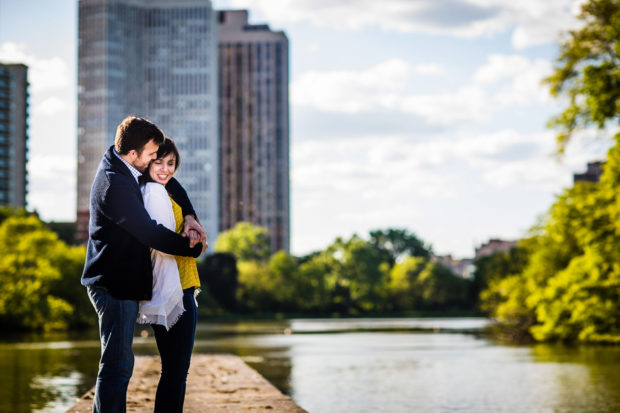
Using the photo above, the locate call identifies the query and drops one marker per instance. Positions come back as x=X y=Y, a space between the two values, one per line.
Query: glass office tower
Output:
x=155 y=59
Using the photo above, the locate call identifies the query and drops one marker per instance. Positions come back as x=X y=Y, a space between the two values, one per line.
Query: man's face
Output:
x=149 y=152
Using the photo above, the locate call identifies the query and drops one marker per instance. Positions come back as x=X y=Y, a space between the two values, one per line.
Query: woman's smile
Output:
x=162 y=169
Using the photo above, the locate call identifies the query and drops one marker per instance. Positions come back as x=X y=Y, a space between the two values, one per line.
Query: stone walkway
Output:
x=216 y=384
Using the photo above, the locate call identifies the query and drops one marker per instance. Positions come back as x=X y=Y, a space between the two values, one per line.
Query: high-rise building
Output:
x=155 y=59
x=254 y=126
x=13 y=134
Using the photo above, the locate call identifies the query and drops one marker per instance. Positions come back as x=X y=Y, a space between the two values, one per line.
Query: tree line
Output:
x=390 y=272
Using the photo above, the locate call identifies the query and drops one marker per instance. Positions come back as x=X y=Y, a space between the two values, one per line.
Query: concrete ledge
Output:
x=216 y=384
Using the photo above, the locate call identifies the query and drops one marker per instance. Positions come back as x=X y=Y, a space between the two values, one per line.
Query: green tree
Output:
x=587 y=71
x=398 y=243
x=570 y=288
x=8 y=211
x=33 y=267
x=440 y=289
x=358 y=275
x=402 y=292
x=500 y=265
x=316 y=296
x=219 y=280
x=245 y=241
x=256 y=287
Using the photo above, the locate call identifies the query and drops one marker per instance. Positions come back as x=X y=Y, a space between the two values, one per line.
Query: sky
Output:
x=427 y=115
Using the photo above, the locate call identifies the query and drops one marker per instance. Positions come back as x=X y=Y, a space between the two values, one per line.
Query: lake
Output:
x=347 y=365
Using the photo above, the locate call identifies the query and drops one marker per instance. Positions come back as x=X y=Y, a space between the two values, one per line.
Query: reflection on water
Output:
x=359 y=365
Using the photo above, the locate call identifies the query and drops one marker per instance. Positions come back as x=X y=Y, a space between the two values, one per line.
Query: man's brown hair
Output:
x=133 y=133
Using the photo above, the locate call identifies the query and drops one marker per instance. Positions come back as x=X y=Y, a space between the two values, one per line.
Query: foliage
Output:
x=398 y=243
x=245 y=241
x=219 y=279
x=36 y=275
x=495 y=267
x=351 y=276
x=569 y=289
x=587 y=71
x=66 y=231
x=417 y=283
x=9 y=211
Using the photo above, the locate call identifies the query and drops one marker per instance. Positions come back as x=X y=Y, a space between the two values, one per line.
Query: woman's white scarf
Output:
x=166 y=304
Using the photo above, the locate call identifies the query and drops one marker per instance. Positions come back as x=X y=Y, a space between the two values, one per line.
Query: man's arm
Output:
x=123 y=206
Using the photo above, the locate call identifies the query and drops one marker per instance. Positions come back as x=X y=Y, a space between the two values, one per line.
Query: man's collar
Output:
x=136 y=174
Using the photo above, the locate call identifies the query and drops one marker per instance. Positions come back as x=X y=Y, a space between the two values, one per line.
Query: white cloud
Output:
x=51 y=164
x=429 y=69
x=50 y=107
x=43 y=73
x=52 y=186
x=532 y=21
x=314 y=47
x=349 y=91
x=519 y=77
x=504 y=81
x=345 y=185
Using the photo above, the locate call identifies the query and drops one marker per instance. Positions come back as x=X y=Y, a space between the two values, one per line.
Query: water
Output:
x=359 y=365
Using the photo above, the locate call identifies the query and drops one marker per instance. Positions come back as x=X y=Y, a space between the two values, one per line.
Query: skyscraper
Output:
x=254 y=126
x=155 y=59
x=13 y=134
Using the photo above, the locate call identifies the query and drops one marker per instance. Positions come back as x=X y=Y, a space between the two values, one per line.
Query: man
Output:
x=117 y=271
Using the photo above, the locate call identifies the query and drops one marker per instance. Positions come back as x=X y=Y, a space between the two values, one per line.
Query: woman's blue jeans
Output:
x=175 y=349
x=117 y=319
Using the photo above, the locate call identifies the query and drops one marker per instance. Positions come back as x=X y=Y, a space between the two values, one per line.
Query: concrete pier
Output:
x=216 y=384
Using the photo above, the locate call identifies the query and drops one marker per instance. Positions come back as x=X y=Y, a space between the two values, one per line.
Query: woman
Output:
x=175 y=339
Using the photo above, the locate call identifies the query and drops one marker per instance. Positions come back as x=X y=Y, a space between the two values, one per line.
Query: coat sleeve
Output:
x=122 y=204
x=179 y=195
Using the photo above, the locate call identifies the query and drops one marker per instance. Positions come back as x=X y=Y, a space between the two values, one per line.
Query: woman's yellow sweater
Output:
x=187 y=265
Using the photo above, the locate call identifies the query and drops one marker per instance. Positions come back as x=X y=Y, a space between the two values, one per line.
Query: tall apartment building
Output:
x=254 y=126
x=155 y=59
x=13 y=134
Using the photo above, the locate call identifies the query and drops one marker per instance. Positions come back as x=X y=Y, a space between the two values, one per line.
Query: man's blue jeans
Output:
x=117 y=319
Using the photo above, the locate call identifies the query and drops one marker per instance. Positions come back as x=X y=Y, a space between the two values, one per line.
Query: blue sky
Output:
x=421 y=114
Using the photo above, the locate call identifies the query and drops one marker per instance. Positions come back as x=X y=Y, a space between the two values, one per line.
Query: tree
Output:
x=245 y=241
x=403 y=296
x=39 y=278
x=500 y=265
x=219 y=277
x=398 y=243
x=588 y=71
x=570 y=288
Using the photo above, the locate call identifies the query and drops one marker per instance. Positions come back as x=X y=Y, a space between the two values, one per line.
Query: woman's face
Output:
x=162 y=169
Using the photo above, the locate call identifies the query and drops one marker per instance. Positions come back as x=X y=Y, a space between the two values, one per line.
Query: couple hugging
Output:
x=143 y=238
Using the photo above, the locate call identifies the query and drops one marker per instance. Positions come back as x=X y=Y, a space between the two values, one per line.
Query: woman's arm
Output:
x=179 y=195
x=191 y=221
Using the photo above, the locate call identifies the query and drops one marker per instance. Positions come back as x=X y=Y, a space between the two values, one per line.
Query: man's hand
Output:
x=194 y=238
x=195 y=232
